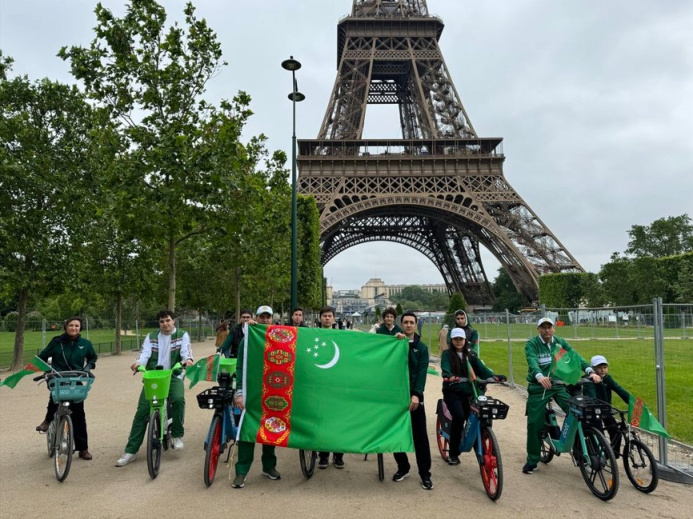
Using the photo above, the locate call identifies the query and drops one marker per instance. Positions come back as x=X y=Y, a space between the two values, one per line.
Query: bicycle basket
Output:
x=588 y=408
x=156 y=382
x=72 y=389
x=492 y=409
x=215 y=398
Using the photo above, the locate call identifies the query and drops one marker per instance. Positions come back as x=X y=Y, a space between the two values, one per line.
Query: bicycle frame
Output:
x=571 y=427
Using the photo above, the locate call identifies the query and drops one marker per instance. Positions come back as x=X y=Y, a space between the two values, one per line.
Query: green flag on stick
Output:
x=34 y=366
x=207 y=369
x=326 y=390
x=567 y=366
x=640 y=416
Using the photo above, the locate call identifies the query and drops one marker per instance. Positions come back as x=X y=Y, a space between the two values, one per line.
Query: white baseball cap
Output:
x=544 y=320
x=264 y=309
x=597 y=360
x=457 y=332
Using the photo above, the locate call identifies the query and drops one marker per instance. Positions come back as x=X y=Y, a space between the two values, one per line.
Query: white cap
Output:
x=264 y=309
x=544 y=320
x=457 y=332
x=597 y=360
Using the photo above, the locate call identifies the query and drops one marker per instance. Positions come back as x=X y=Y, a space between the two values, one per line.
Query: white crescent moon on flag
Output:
x=333 y=361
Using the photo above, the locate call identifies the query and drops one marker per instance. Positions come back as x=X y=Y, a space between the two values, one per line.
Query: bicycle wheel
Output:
x=50 y=438
x=443 y=444
x=599 y=470
x=154 y=443
x=491 y=467
x=641 y=466
x=546 y=450
x=212 y=450
x=307 y=459
x=381 y=467
x=63 y=448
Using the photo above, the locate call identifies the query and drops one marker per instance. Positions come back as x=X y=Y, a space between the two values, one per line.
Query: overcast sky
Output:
x=593 y=98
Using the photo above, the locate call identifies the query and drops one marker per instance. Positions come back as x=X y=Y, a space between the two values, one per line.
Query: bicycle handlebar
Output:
x=480 y=381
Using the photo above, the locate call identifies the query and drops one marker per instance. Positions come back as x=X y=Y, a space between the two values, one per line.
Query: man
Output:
x=327 y=321
x=297 y=318
x=462 y=321
x=418 y=368
x=230 y=346
x=540 y=352
x=164 y=348
x=246 y=450
x=389 y=327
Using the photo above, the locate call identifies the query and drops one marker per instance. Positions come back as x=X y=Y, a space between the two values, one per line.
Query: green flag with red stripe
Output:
x=207 y=369
x=640 y=416
x=567 y=366
x=326 y=390
x=33 y=367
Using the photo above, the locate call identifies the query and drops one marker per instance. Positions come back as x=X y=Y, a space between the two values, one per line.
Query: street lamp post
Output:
x=296 y=97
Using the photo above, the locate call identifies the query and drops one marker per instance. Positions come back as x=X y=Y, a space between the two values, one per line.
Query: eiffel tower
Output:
x=440 y=188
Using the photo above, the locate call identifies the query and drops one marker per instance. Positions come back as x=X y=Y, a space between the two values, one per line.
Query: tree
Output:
x=45 y=200
x=398 y=309
x=309 y=264
x=684 y=285
x=506 y=294
x=664 y=237
x=183 y=152
x=457 y=302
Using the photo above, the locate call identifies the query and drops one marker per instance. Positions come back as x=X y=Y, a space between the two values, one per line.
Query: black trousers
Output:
x=79 y=422
x=460 y=408
x=422 y=448
x=326 y=455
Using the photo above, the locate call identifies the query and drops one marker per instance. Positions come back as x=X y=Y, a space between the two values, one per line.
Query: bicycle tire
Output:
x=641 y=466
x=381 y=467
x=546 y=449
x=307 y=459
x=154 y=444
x=212 y=450
x=63 y=448
x=491 y=469
x=599 y=470
x=50 y=438
x=443 y=444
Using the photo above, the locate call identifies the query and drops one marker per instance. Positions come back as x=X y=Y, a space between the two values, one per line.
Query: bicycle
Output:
x=223 y=428
x=477 y=434
x=157 y=383
x=638 y=460
x=66 y=387
x=589 y=449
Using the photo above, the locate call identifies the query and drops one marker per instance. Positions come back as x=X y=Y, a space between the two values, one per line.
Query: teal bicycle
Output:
x=157 y=383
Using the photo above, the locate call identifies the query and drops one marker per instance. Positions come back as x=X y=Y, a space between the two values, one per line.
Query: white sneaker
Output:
x=177 y=443
x=125 y=459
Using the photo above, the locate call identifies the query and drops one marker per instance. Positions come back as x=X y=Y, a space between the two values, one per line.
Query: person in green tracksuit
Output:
x=164 y=348
x=540 y=352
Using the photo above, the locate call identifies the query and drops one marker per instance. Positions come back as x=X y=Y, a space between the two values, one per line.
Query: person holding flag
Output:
x=70 y=352
x=549 y=358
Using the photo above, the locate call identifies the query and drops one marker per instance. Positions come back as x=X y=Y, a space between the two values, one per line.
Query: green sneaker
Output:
x=272 y=474
x=238 y=481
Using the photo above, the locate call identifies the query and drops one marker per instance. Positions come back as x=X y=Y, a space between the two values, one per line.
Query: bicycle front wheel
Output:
x=154 y=444
x=64 y=438
x=50 y=438
x=212 y=450
x=599 y=468
x=491 y=465
x=307 y=459
x=641 y=466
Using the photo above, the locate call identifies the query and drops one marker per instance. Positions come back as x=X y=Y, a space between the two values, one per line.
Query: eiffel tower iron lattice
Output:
x=439 y=189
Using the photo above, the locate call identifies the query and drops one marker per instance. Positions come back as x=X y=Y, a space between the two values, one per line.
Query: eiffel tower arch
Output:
x=439 y=187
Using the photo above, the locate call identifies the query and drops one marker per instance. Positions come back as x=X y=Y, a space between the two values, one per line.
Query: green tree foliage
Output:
x=398 y=309
x=183 y=151
x=309 y=264
x=506 y=294
x=457 y=302
x=560 y=290
x=415 y=297
x=46 y=131
x=669 y=236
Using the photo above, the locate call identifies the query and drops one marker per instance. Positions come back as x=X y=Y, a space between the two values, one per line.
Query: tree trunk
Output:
x=17 y=361
x=118 y=323
x=199 y=325
x=172 y=274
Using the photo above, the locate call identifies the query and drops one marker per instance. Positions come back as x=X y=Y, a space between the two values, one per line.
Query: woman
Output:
x=459 y=362
x=70 y=352
x=222 y=333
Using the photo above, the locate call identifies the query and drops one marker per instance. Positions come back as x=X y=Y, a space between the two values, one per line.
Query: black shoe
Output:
x=453 y=460
x=529 y=468
x=43 y=427
x=338 y=462
x=323 y=463
x=427 y=484
x=400 y=475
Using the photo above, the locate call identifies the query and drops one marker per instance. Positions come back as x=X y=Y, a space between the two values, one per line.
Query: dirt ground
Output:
x=98 y=489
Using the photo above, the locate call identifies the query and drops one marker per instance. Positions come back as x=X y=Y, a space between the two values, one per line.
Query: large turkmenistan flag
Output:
x=567 y=366
x=640 y=416
x=326 y=390
x=34 y=366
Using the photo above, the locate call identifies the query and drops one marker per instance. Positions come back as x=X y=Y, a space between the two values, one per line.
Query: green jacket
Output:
x=382 y=330
x=541 y=360
x=418 y=367
x=178 y=353
x=602 y=391
x=69 y=354
x=480 y=369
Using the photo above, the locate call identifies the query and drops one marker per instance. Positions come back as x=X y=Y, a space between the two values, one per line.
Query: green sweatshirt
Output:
x=540 y=358
x=480 y=369
x=602 y=391
x=69 y=354
x=382 y=329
